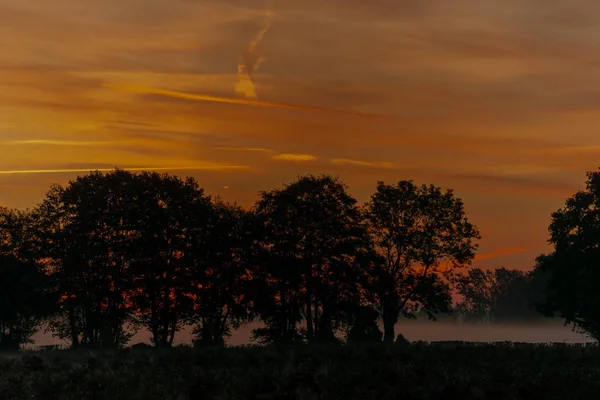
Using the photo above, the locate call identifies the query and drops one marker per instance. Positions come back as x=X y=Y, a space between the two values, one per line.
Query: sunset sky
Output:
x=495 y=99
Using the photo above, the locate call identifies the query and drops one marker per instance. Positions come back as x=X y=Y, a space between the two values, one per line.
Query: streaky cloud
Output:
x=69 y=170
x=75 y=143
x=251 y=149
x=294 y=157
x=361 y=163
x=500 y=252
x=229 y=100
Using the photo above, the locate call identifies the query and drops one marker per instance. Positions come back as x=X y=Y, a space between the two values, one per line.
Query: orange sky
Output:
x=496 y=99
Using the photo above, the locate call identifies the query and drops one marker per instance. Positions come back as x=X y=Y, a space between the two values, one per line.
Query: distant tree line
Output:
x=499 y=295
x=111 y=253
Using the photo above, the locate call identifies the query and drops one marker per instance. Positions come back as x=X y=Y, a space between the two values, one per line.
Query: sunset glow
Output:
x=495 y=100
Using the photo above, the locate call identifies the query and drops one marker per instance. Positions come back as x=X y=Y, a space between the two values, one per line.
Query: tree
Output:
x=496 y=295
x=171 y=219
x=219 y=284
x=363 y=325
x=54 y=254
x=312 y=243
x=514 y=295
x=92 y=229
x=572 y=271
x=122 y=250
x=23 y=300
x=423 y=236
x=477 y=290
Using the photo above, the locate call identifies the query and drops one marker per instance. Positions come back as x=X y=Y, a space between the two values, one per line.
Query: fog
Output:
x=541 y=332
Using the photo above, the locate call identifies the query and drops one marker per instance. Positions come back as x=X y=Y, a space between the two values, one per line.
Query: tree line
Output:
x=111 y=253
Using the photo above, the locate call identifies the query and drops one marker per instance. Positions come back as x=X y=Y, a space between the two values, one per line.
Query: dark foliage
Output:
x=572 y=271
x=421 y=371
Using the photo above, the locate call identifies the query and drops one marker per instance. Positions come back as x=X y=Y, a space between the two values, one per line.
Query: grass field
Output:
x=421 y=371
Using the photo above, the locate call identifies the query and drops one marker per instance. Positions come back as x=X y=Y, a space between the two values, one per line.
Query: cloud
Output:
x=73 y=143
x=251 y=149
x=227 y=100
x=251 y=61
x=294 y=157
x=87 y=170
x=500 y=252
x=377 y=164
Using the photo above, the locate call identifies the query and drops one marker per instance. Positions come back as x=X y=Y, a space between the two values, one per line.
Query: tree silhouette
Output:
x=94 y=275
x=572 y=270
x=422 y=235
x=113 y=252
x=514 y=295
x=363 y=325
x=219 y=284
x=54 y=253
x=23 y=302
x=477 y=289
x=170 y=219
x=312 y=243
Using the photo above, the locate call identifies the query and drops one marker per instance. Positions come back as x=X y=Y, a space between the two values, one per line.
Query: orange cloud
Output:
x=253 y=149
x=60 y=142
x=378 y=164
x=250 y=61
x=227 y=100
x=294 y=157
x=500 y=252
x=72 y=170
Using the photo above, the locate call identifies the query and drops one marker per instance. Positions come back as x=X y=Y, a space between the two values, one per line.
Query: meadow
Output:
x=442 y=370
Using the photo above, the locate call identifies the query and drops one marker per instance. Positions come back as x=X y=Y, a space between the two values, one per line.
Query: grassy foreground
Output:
x=421 y=371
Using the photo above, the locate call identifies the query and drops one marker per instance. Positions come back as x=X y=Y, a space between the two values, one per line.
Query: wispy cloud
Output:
x=294 y=157
x=62 y=142
x=251 y=149
x=250 y=61
x=362 y=163
x=500 y=252
x=228 y=100
x=74 y=170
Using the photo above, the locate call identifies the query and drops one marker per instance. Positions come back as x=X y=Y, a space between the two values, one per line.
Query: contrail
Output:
x=250 y=61
x=60 y=171
x=229 y=100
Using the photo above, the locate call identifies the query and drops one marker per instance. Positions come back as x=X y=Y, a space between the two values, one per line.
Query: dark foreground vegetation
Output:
x=379 y=371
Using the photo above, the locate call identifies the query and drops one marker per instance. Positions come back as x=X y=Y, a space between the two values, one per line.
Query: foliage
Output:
x=313 y=240
x=422 y=236
x=170 y=223
x=114 y=252
x=22 y=304
x=90 y=229
x=572 y=270
x=497 y=295
x=421 y=371
x=220 y=287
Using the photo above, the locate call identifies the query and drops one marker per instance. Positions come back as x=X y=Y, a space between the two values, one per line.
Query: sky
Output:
x=496 y=99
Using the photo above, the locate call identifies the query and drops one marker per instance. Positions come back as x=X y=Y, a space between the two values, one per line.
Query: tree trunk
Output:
x=309 y=317
x=73 y=328
x=390 y=317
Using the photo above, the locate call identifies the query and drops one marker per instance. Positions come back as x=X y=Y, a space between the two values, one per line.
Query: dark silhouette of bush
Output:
x=401 y=340
x=141 y=345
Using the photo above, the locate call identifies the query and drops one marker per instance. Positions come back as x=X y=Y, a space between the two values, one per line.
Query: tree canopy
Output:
x=111 y=253
x=422 y=236
x=572 y=270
